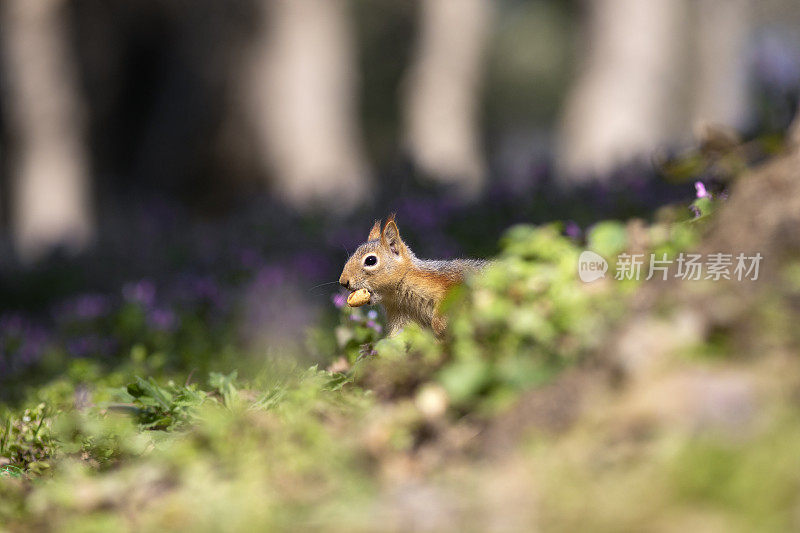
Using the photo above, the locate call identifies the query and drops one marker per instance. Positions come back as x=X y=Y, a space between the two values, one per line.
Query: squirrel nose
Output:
x=344 y=282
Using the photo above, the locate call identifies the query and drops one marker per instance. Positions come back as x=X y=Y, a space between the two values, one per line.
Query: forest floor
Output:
x=552 y=404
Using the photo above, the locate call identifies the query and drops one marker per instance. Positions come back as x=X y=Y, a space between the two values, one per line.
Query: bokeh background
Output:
x=181 y=182
x=200 y=170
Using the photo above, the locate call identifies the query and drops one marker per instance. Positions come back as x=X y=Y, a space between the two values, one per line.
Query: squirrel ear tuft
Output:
x=375 y=232
x=391 y=236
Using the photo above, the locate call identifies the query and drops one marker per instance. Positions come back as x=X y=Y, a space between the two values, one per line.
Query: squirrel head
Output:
x=379 y=264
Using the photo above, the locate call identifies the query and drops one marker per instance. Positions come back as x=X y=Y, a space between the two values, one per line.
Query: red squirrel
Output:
x=409 y=288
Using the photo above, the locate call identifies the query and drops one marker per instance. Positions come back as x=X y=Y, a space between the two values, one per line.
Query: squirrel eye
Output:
x=370 y=260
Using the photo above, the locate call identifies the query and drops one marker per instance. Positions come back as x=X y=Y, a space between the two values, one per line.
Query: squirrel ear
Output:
x=391 y=236
x=375 y=232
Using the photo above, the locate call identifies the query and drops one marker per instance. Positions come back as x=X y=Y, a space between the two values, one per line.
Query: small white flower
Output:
x=432 y=401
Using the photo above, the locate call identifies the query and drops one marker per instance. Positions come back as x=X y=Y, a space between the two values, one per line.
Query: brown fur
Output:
x=409 y=289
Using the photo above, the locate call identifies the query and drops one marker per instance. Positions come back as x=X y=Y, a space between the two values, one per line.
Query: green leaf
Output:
x=608 y=238
x=224 y=383
x=463 y=380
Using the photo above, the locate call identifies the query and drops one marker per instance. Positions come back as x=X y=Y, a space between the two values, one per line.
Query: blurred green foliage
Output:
x=523 y=320
x=145 y=447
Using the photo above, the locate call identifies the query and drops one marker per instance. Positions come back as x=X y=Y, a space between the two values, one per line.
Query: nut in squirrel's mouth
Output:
x=359 y=297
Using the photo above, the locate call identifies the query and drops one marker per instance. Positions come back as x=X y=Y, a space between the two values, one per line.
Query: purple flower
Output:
x=420 y=212
x=90 y=345
x=142 y=292
x=11 y=322
x=270 y=276
x=193 y=289
x=374 y=325
x=91 y=306
x=309 y=265
x=162 y=319
x=701 y=190
x=339 y=300
x=21 y=341
x=79 y=347
x=372 y=314
x=695 y=210
x=573 y=230
x=367 y=350
x=205 y=288
x=84 y=307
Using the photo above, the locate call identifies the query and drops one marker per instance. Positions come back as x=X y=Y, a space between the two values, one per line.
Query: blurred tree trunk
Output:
x=650 y=72
x=622 y=105
x=302 y=97
x=794 y=130
x=50 y=193
x=722 y=31
x=442 y=98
